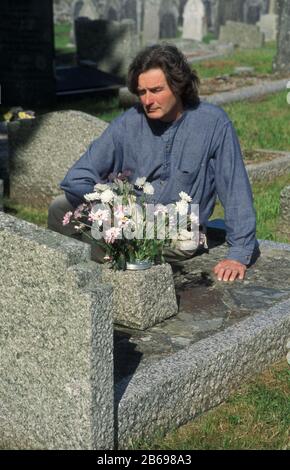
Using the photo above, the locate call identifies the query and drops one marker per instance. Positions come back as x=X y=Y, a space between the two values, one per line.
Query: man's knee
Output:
x=56 y=211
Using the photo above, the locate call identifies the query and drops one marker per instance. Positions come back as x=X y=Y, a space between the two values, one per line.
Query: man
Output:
x=179 y=144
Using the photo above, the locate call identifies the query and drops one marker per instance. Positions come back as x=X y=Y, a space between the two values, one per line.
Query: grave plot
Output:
x=223 y=334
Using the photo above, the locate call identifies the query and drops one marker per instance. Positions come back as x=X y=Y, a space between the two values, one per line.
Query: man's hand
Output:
x=229 y=270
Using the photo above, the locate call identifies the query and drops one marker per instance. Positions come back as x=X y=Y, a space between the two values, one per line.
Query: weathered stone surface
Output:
x=151 y=25
x=111 y=45
x=56 y=380
x=142 y=298
x=26 y=55
x=282 y=59
x=285 y=206
x=43 y=149
x=194 y=20
x=267 y=171
x=268 y=26
x=241 y=34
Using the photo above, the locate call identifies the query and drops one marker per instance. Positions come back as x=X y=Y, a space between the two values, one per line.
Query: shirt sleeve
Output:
x=234 y=191
x=103 y=156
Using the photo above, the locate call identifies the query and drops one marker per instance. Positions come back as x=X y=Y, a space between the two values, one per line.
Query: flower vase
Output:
x=138 y=265
x=141 y=298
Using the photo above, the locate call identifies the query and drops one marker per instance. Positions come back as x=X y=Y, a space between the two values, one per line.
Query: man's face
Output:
x=157 y=98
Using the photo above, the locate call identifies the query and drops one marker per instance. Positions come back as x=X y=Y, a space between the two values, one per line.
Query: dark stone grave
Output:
x=26 y=52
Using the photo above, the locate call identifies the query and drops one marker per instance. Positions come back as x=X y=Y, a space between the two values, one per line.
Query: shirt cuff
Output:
x=240 y=254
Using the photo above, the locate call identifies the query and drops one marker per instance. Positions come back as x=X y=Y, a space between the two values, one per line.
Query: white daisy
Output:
x=148 y=188
x=185 y=197
x=92 y=196
x=107 y=196
x=140 y=182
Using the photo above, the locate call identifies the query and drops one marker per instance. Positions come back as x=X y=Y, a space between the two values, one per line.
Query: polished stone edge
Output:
x=178 y=388
x=75 y=251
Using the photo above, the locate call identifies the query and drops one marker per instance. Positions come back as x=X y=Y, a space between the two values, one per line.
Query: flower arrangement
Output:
x=119 y=216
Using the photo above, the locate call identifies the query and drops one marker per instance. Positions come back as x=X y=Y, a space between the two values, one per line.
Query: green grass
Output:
x=262 y=123
x=267 y=205
x=260 y=59
x=257 y=416
x=62 y=38
x=31 y=214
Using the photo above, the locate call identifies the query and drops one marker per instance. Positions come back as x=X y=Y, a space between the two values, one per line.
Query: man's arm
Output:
x=235 y=194
x=104 y=156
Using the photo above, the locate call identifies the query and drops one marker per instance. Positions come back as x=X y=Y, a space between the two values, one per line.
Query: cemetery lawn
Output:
x=62 y=38
x=262 y=123
x=260 y=59
x=267 y=205
x=257 y=416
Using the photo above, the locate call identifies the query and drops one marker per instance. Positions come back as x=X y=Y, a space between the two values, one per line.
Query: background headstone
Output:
x=268 y=26
x=62 y=11
x=86 y=9
x=151 y=26
x=111 y=45
x=26 y=52
x=131 y=10
x=229 y=10
x=194 y=20
x=168 y=15
x=253 y=10
x=282 y=59
x=56 y=379
x=241 y=34
x=43 y=149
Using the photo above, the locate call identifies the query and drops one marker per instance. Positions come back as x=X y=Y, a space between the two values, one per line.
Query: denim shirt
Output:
x=199 y=154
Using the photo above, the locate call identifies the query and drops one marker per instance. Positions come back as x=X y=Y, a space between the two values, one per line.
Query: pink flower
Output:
x=67 y=217
x=78 y=211
x=111 y=234
x=99 y=216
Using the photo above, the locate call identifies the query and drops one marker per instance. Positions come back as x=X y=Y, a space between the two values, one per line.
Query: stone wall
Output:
x=56 y=338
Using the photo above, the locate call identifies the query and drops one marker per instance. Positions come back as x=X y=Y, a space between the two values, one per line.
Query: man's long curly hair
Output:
x=183 y=81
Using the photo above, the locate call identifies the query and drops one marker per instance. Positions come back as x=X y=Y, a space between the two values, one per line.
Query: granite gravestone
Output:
x=241 y=34
x=151 y=25
x=168 y=15
x=26 y=52
x=282 y=59
x=194 y=25
x=232 y=10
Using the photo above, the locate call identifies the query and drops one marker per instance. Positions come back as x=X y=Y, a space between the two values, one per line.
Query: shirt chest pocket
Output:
x=182 y=181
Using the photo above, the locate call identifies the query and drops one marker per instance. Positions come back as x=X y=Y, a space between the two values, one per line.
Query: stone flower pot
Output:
x=141 y=298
